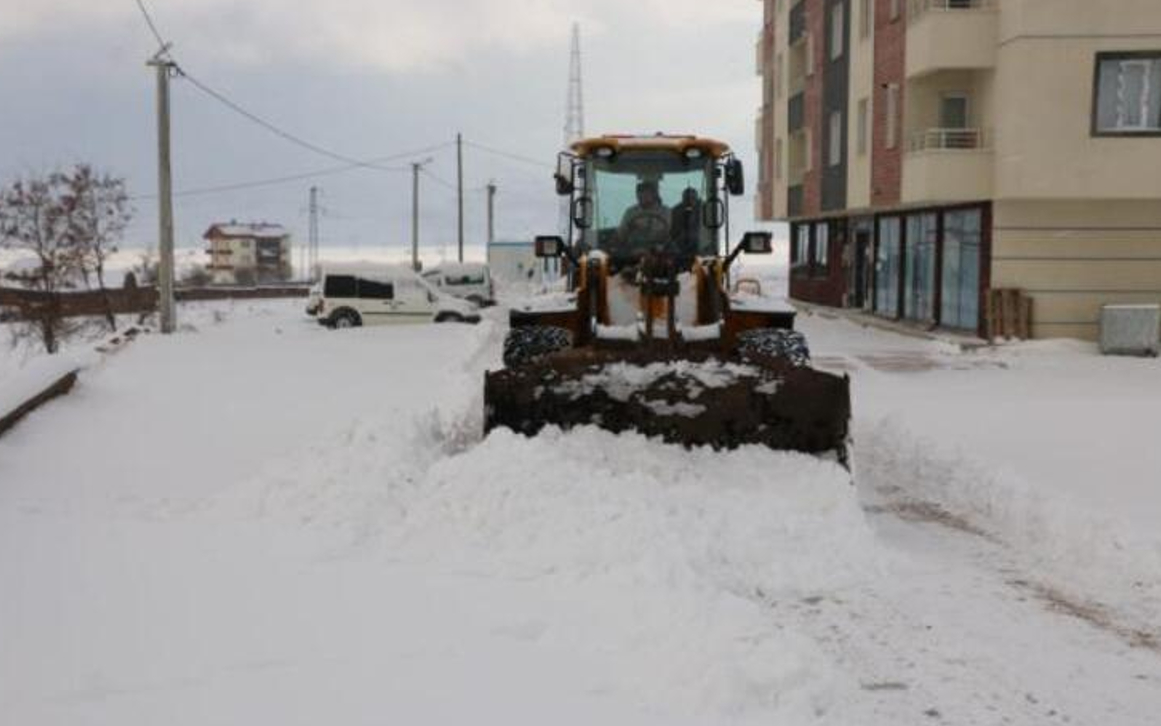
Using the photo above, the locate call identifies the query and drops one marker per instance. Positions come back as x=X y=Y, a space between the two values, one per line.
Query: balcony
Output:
x=796 y=112
x=951 y=35
x=948 y=165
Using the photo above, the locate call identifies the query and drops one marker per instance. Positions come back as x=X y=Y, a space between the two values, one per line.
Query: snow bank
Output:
x=1087 y=552
x=657 y=564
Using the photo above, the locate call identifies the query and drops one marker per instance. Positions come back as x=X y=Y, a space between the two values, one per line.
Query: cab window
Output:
x=340 y=286
x=376 y=290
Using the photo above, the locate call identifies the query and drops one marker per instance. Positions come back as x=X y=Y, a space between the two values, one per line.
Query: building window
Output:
x=892 y=116
x=778 y=159
x=835 y=140
x=896 y=9
x=866 y=18
x=821 y=248
x=1128 y=94
x=809 y=54
x=864 y=125
x=801 y=246
x=837 y=32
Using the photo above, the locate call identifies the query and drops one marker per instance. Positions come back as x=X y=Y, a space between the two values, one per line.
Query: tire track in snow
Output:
x=890 y=484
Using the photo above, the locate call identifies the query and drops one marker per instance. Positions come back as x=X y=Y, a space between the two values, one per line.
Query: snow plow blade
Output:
x=691 y=400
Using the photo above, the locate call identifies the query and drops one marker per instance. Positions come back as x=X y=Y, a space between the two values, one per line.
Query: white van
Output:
x=469 y=281
x=354 y=295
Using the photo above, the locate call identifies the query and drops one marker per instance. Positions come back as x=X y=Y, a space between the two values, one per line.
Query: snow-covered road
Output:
x=263 y=521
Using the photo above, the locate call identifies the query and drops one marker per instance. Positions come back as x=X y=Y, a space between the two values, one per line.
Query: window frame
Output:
x=820 y=249
x=862 y=140
x=838 y=30
x=1102 y=57
x=892 y=111
x=834 y=140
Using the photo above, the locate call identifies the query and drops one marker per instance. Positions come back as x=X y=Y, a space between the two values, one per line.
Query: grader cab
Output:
x=648 y=336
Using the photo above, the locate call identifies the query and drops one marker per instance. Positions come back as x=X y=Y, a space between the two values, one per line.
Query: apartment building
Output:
x=927 y=151
x=250 y=252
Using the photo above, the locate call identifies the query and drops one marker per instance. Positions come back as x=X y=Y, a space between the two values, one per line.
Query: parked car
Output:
x=354 y=295
x=468 y=281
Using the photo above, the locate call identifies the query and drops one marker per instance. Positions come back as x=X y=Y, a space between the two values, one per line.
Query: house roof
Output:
x=261 y=230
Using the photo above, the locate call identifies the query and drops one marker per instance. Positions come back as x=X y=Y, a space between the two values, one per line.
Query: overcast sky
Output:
x=367 y=79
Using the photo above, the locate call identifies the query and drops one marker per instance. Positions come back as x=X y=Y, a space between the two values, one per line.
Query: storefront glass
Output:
x=962 y=236
x=887 y=259
x=922 y=235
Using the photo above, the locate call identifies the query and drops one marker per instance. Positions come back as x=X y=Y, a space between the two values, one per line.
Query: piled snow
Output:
x=622 y=380
x=19 y=386
x=656 y=573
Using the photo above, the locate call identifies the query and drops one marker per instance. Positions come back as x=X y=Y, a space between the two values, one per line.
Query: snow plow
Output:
x=646 y=336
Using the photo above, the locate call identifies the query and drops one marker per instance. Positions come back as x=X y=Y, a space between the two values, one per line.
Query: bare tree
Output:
x=102 y=213
x=37 y=216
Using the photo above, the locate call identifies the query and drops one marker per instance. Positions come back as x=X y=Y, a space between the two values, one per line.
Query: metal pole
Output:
x=460 y=190
x=312 y=257
x=491 y=212
x=416 y=167
x=164 y=194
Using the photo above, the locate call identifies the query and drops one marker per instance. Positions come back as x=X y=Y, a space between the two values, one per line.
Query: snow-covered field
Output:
x=261 y=521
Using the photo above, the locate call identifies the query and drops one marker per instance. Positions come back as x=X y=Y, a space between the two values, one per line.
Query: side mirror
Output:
x=735 y=177
x=549 y=247
x=753 y=243
x=758 y=243
x=715 y=214
x=582 y=212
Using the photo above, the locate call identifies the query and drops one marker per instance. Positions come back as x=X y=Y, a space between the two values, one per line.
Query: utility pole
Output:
x=491 y=212
x=165 y=278
x=416 y=168
x=312 y=255
x=460 y=190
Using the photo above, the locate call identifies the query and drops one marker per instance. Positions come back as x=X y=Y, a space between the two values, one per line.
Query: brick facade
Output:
x=890 y=50
x=812 y=180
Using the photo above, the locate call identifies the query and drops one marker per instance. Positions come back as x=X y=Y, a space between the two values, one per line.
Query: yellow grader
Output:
x=646 y=336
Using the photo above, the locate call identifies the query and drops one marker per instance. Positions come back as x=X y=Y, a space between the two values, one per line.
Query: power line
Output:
x=509 y=155
x=442 y=182
x=152 y=26
x=272 y=128
x=275 y=181
x=234 y=106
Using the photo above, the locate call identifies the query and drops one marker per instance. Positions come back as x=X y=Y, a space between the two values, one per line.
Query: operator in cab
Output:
x=647 y=222
x=686 y=225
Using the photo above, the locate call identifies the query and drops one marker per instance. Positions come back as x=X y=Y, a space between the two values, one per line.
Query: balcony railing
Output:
x=947 y=139
x=918 y=8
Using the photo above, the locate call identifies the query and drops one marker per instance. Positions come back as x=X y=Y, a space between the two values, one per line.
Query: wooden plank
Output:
x=1024 y=331
x=60 y=387
x=1010 y=305
x=990 y=315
